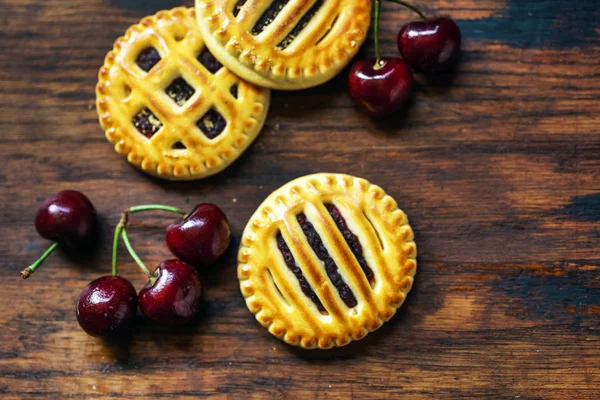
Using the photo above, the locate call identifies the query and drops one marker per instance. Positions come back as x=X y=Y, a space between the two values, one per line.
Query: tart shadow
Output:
x=405 y=322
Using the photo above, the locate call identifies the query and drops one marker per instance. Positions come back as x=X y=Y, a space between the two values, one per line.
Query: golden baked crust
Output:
x=273 y=291
x=282 y=56
x=179 y=150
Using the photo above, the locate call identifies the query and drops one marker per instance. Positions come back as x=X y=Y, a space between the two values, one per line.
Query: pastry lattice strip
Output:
x=178 y=61
x=337 y=247
x=287 y=24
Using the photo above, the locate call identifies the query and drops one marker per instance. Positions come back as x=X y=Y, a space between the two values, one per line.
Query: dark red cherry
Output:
x=68 y=217
x=430 y=46
x=106 y=306
x=175 y=296
x=202 y=237
x=380 y=91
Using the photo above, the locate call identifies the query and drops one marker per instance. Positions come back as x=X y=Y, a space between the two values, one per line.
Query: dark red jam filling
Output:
x=300 y=26
x=209 y=61
x=234 y=91
x=238 y=6
x=352 y=241
x=148 y=58
x=291 y=264
x=269 y=16
x=315 y=242
x=180 y=91
x=146 y=123
x=212 y=124
x=179 y=146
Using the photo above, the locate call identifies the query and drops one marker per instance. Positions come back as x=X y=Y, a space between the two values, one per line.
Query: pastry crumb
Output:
x=234 y=200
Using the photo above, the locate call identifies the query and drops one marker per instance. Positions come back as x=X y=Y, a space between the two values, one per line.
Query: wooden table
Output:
x=498 y=168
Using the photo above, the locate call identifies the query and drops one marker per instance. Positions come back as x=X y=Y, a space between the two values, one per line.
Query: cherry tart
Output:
x=284 y=44
x=169 y=106
x=326 y=259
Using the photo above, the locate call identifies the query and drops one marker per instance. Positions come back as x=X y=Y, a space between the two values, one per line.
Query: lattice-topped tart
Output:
x=326 y=259
x=284 y=44
x=170 y=106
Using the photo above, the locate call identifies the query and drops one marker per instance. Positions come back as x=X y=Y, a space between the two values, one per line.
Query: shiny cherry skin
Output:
x=380 y=91
x=202 y=237
x=107 y=306
x=176 y=295
x=431 y=46
x=69 y=218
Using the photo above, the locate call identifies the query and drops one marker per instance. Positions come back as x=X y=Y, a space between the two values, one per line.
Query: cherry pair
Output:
x=381 y=86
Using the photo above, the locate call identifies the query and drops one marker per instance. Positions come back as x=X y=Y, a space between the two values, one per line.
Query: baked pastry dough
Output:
x=326 y=259
x=167 y=104
x=284 y=44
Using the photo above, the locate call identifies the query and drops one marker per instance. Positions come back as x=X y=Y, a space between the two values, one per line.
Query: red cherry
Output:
x=202 y=237
x=380 y=91
x=68 y=217
x=174 y=297
x=430 y=46
x=106 y=306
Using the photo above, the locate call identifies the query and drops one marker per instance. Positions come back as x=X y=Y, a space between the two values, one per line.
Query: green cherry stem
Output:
x=155 y=207
x=376 y=34
x=121 y=232
x=118 y=231
x=26 y=273
x=135 y=256
x=410 y=7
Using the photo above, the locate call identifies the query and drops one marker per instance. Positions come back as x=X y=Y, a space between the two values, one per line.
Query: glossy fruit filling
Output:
x=146 y=122
x=306 y=18
x=180 y=91
x=352 y=241
x=331 y=268
x=209 y=61
x=234 y=91
x=148 y=58
x=212 y=124
x=288 y=257
x=269 y=16
x=238 y=6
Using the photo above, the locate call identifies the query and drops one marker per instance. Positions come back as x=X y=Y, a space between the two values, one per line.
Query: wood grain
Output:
x=497 y=167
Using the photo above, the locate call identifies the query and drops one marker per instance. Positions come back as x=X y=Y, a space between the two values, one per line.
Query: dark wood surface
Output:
x=498 y=168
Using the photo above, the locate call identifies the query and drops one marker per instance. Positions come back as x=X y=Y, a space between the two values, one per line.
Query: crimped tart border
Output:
x=252 y=241
x=272 y=73
x=165 y=167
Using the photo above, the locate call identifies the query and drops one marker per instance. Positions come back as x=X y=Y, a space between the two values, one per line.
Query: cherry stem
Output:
x=410 y=7
x=154 y=207
x=118 y=231
x=136 y=257
x=376 y=34
x=122 y=232
x=26 y=273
